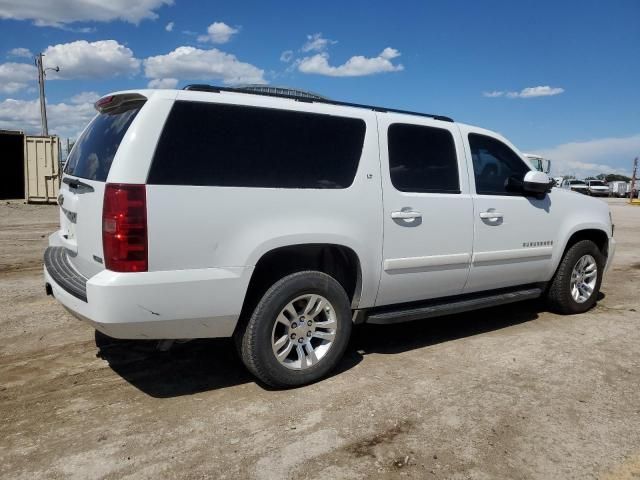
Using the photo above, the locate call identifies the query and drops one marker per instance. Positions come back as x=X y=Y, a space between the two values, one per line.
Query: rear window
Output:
x=597 y=183
x=212 y=144
x=93 y=153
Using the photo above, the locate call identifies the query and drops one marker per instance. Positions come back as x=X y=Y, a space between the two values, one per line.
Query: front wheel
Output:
x=298 y=331
x=576 y=284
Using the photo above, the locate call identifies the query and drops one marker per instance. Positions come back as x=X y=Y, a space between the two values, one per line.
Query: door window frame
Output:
x=386 y=119
x=471 y=166
x=458 y=189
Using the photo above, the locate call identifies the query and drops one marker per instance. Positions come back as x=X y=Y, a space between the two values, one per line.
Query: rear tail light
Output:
x=124 y=228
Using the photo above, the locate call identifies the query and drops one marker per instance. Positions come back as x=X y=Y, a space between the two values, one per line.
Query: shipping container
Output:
x=11 y=164
x=30 y=167
x=42 y=169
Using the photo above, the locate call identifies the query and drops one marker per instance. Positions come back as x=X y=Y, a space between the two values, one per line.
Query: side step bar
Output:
x=414 y=312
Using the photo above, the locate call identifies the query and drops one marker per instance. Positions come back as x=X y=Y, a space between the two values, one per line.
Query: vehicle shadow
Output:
x=191 y=367
x=402 y=337
x=210 y=364
x=187 y=368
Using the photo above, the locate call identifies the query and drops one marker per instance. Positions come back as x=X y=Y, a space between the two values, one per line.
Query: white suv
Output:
x=597 y=188
x=575 y=186
x=281 y=222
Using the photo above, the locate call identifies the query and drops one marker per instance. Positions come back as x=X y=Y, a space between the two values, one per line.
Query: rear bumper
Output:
x=63 y=274
x=200 y=303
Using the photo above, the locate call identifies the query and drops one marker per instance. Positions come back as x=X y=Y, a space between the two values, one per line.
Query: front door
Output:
x=428 y=212
x=514 y=233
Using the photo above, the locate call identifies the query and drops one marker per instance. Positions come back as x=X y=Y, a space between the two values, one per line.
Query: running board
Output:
x=409 y=314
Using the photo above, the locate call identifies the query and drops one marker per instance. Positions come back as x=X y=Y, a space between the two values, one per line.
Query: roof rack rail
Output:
x=294 y=92
x=309 y=99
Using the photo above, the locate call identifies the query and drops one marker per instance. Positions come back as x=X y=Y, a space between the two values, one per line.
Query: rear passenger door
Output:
x=428 y=223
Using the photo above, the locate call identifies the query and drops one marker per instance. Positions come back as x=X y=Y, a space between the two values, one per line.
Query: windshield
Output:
x=93 y=153
x=576 y=182
x=597 y=183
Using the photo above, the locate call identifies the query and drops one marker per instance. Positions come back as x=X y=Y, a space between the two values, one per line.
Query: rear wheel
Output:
x=298 y=331
x=576 y=284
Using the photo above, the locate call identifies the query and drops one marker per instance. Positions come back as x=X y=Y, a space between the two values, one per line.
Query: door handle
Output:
x=491 y=215
x=406 y=215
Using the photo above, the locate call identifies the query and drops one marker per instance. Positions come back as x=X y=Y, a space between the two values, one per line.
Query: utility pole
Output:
x=43 y=102
x=633 y=179
x=43 y=105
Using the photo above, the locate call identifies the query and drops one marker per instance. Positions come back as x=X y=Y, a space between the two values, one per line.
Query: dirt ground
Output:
x=510 y=392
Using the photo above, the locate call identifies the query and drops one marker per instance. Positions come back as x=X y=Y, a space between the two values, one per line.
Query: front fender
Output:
x=580 y=214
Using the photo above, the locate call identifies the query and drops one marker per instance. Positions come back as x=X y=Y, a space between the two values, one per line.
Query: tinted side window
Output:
x=422 y=159
x=93 y=153
x=238 y=146
x=498 y=170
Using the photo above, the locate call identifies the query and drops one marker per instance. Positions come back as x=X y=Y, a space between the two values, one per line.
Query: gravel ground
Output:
x=510 y=392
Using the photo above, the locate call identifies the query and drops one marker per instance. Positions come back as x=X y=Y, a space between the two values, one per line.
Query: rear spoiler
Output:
x=119 y=103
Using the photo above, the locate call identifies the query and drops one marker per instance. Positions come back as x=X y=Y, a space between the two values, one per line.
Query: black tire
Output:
x=253 y=336
x=559 y=293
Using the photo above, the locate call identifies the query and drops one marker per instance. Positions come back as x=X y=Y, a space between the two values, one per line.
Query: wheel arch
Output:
x=337 y=260
x=594 y=233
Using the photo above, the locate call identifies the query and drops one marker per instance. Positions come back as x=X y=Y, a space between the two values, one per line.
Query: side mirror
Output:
x=537 y=183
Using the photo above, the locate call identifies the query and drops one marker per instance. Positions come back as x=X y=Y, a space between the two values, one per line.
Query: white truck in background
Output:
x=539 y=163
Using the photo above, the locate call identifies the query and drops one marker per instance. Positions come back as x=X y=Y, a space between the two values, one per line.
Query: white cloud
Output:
x=12 y=87
x=529 y=92
x=354 y=67
x=81 y=59
x=66 y=120
x=169 y=27
x=56 y=14
x=218 y=32
x=286 y=56
x=84 y=97
x=163 y=83
x=16 y=76
x=196 y=64
x=316 y=43
x=20 y=52
x=593 y=156
x=78 y=29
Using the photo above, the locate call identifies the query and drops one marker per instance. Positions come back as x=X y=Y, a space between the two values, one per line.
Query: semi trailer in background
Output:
x=618 y=188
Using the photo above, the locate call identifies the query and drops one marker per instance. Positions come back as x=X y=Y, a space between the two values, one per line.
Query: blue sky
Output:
x=560 y=78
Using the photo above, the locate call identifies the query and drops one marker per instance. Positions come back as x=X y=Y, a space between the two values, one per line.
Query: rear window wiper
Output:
x=77 y=184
